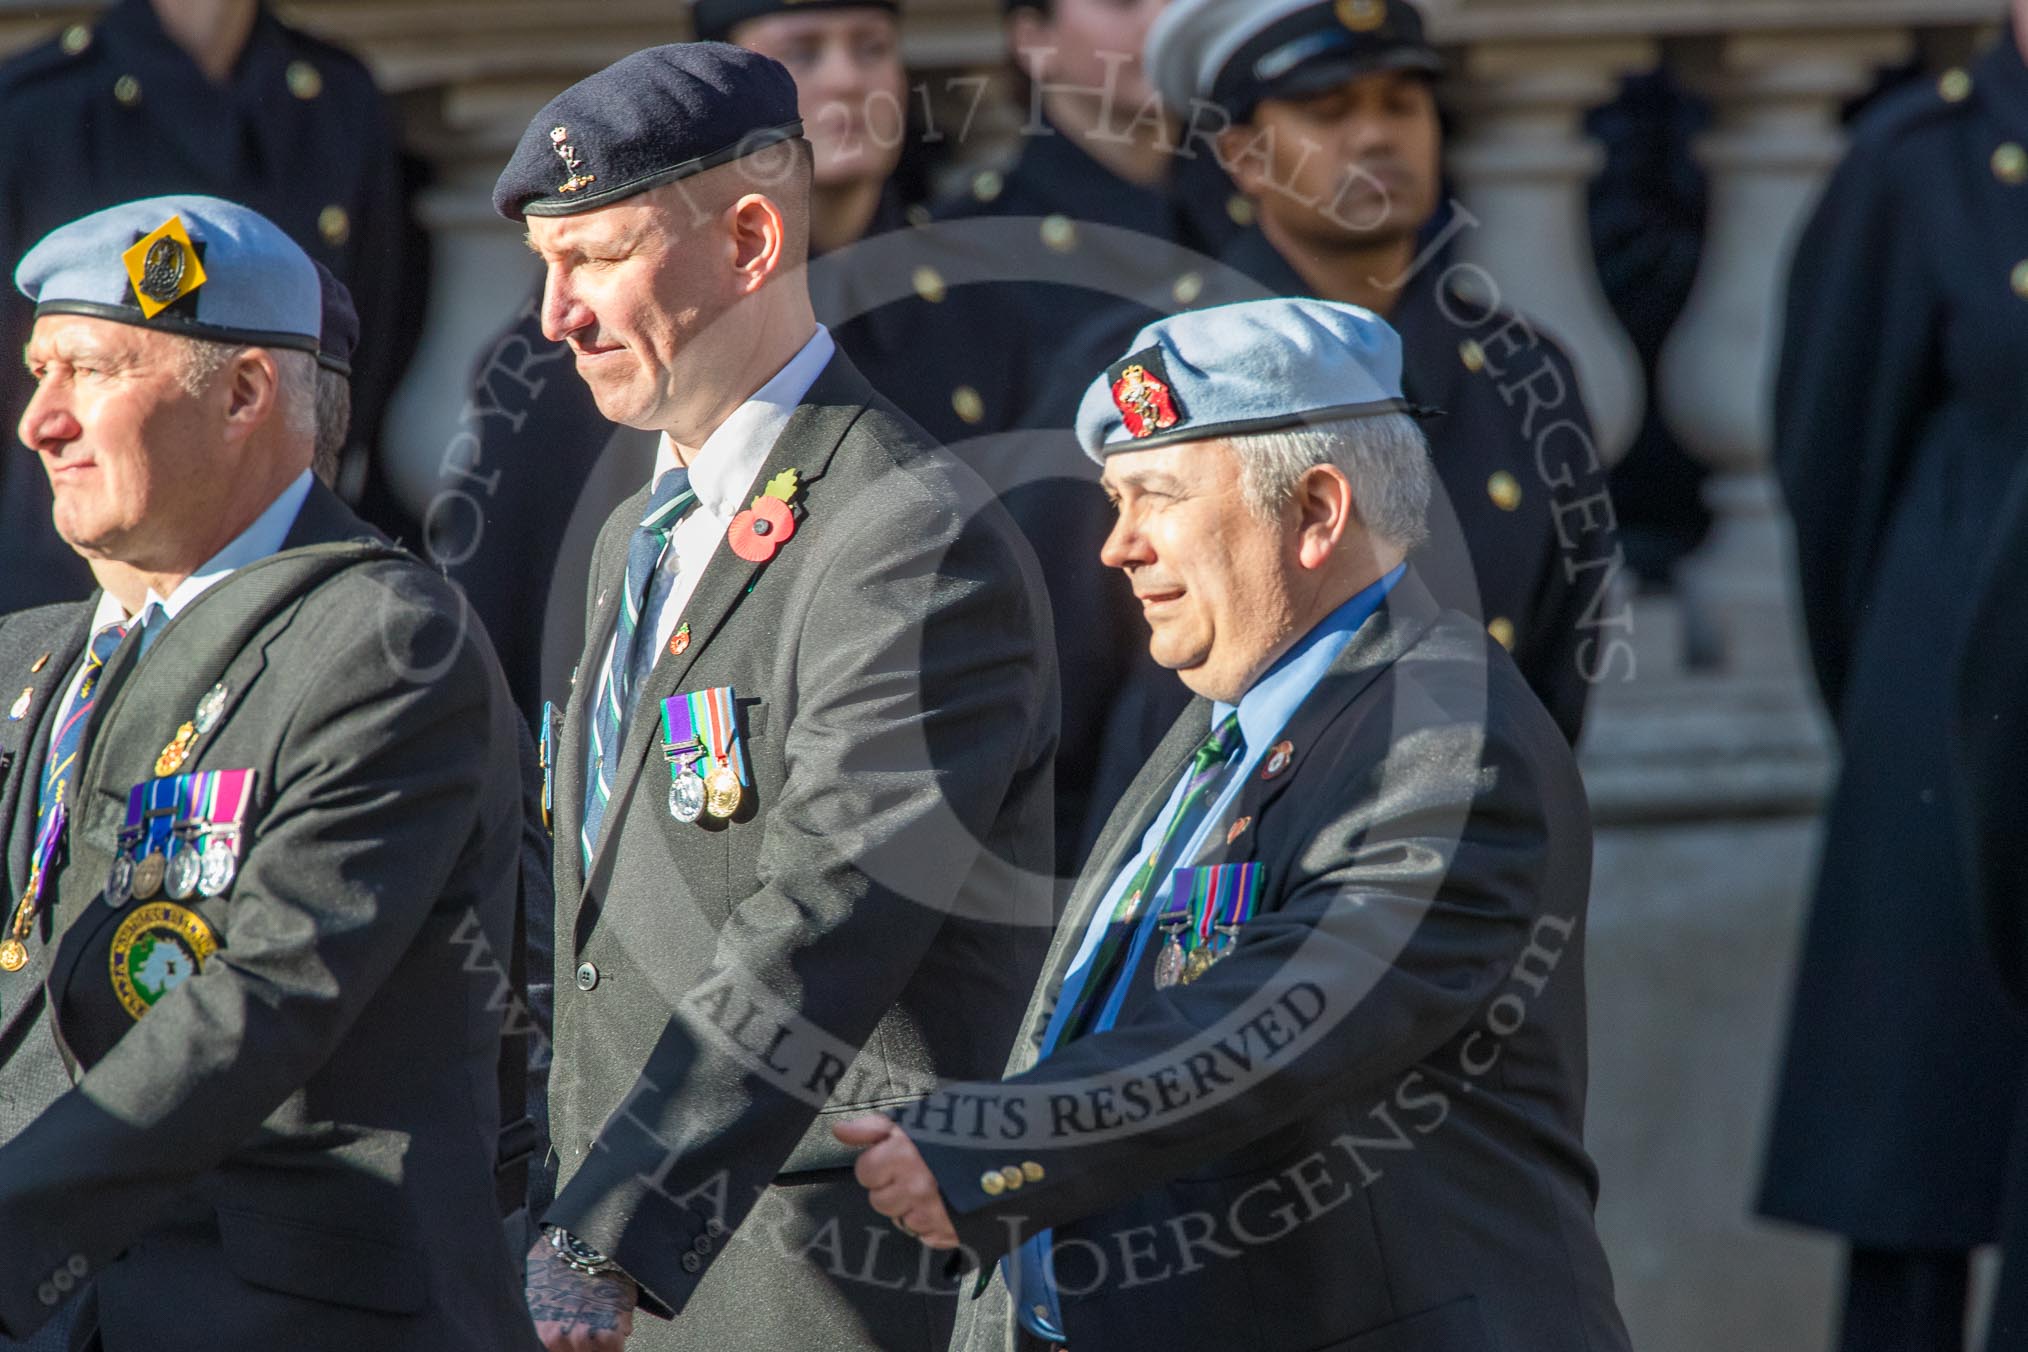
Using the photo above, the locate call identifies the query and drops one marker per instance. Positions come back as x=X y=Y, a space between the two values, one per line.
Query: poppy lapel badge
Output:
x=758 y=533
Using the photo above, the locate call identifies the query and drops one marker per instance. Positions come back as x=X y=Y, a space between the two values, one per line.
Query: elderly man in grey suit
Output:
x=802 y=784
x=1306 y=1068
x=277 y=828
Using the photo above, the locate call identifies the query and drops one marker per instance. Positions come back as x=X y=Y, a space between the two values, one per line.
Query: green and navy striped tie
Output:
x=667 y=505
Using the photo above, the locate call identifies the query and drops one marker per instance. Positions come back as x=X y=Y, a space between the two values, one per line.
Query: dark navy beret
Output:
x=339 y=333
x=1234 y=53
x=714 y=20
x=198 y=266
x=648 y=119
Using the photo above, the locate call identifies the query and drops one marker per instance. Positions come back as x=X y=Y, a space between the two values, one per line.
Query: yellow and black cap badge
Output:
x=1235 y=53
x=163 y=267
x=199 y=266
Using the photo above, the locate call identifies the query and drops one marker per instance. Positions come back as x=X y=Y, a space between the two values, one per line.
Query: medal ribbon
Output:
x=713 y=710
x=159 y=816
x=130 y=834
x=196 y=806
x=680 y=742
x=226 y=803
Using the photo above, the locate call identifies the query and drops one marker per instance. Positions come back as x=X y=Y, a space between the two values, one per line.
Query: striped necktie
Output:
x=671 y=499
x=50 y=806
x=1208 y=765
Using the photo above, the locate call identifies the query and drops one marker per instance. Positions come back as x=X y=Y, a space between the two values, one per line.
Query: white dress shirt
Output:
x=722 y=475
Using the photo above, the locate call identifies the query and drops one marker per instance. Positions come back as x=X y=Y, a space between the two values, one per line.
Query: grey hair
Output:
x=1386 y=458
x=334 y=423
x=203 y=360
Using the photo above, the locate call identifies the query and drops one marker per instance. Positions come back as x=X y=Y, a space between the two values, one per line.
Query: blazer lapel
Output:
x=608 y=574
x=810 y=441
x=19 y=806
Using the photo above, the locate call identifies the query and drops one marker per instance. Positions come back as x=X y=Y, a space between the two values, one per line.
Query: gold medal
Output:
x=148 y=875
x=1198 y=964
x=13 y=955
x=722 y=792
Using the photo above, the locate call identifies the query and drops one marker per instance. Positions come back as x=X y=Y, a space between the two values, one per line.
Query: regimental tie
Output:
x=50 y=811
x=1208 y=766
x=667 y=505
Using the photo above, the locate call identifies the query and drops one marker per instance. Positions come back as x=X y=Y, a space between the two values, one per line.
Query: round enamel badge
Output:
x=156 y=949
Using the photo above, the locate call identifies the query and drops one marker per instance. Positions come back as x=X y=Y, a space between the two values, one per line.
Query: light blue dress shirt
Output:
x=1264 y=710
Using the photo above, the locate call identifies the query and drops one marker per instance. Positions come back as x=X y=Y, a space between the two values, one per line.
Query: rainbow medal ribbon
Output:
x=1220 y=900
x=186 y=864
x=713 y=714
x=224 y=829
x=158 y=823
x=683 y=746
x=120 y=878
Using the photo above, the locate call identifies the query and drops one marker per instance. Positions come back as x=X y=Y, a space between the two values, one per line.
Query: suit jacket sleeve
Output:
x=377 y=783
x=1851 y=387
x=1401 y=915
x=923 y=691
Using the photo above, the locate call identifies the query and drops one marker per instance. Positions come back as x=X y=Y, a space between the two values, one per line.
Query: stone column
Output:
x=1775 y=137
x=1522 y=164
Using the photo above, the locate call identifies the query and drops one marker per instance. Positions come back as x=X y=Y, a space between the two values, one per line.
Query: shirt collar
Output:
x=725 y=465
x=264 y=537
x=1265 y=709
x=108 y=611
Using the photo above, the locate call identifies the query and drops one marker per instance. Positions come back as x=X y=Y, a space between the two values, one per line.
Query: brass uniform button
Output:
x=1189 y=287
x=968 y=405
x=1502 y=630
x=991 y=1183
x=987 y=186
x=127 y=90
x=2010 y=164
x=2020 y=279
x=1505 y=491
x=1241 y=209
x=1012 y=1177
x=1955 y=85
x=1059 y=233
x=1031 y=1171
x=1472 y=355
x=1362 y=16
x=305 y=81
x=929 y=284
x=76 y=38
x=334 y=223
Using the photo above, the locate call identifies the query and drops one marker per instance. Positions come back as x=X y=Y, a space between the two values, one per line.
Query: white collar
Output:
x=723 y=470
x=264 y=537
x=108 y=611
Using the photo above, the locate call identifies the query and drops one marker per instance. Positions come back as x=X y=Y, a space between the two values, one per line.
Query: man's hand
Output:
x=576 y=1313
x=897 y=1182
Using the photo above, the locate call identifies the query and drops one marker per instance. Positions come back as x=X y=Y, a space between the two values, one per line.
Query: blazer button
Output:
x=587 y=976
x=1012 y=1177
x=63 y=1281
x=47 y=1294
x=715 y=1228
x=691 y=1262
x=1032 y=1171
x=991 y=1183
x=702 y=1244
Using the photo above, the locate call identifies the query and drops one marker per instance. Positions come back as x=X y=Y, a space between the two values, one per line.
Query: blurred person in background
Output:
x=1899 y=420
x=217 y=97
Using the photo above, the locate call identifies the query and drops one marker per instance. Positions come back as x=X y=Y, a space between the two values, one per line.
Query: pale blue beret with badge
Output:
x=1233 y=370
x=652 y=118
x=1234 y=53
x=198 y=266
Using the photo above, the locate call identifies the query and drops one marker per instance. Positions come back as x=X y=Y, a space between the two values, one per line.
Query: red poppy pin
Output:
x=1278 y=759
x=1144 y=395
x=758 y=533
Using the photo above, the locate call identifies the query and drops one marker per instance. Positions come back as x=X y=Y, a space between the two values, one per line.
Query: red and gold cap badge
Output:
x=1144 y=395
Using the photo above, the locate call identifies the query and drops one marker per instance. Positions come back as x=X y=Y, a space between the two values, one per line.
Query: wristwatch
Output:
x=579 y=1256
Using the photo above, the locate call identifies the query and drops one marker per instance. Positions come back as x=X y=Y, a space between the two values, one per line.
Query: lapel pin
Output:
x=21 y=702
x=1238 y=829
x=210 y=707
x=679 y=642
x=1278 y=759
x=758 y=533
x=40 y=663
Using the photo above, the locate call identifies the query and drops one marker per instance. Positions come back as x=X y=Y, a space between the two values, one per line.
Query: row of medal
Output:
x=183 y=836
x=707 y=759
x=1201 y=920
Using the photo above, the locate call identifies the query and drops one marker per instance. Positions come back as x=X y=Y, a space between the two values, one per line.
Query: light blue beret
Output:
x=198 y=266
x=1257 y=366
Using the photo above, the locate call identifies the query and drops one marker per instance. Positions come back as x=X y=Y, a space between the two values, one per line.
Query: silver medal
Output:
x=221 y=865
x=120 y=882
x=686 y=797
x=185 y=869
x=1169 y=964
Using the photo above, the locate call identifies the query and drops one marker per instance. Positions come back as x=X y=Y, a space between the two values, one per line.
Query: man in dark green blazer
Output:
x=276 y=843
x=1306 y=1065
x=802 y=784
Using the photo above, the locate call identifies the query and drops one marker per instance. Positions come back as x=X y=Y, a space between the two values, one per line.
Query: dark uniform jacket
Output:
x=871 y=919
x=1363 y=1128
x=295 y=1146
x=1899 y=417
x=115 y=110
